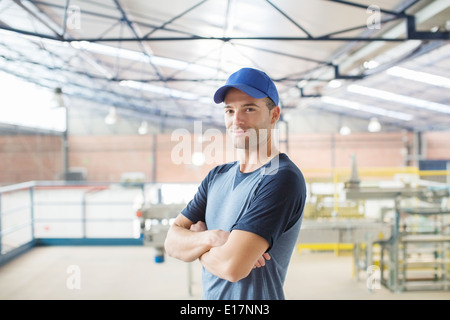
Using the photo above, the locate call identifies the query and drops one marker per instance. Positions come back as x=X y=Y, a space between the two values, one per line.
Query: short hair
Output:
x=269 y=103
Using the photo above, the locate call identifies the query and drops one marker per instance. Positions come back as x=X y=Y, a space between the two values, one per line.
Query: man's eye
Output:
x=228 y=111
x=249 y=109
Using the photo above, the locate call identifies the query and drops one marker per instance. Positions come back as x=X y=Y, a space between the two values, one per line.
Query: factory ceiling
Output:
x=164 y=59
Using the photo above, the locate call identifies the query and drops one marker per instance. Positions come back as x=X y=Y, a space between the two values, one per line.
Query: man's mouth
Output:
x=237 y=132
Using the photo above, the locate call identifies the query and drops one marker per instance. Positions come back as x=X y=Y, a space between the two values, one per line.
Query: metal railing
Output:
x=60 y=212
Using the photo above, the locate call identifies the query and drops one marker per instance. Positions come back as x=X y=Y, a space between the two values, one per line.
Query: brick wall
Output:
x=437 y=145
x=106 y=158
x=25 y=158
x=334 y=150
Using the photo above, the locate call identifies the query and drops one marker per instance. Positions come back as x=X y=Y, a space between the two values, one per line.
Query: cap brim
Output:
x=220 y=94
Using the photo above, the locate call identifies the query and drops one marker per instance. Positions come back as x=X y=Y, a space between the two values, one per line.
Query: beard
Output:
x=249 y=138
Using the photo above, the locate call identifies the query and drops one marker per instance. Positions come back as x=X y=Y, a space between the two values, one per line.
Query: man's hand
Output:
x=219 y=237
x=187 y=241
x=262 y=261
x=216 y=237
x=198 y=227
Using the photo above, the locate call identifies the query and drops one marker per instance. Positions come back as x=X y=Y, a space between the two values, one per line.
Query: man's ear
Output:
x=276 y=111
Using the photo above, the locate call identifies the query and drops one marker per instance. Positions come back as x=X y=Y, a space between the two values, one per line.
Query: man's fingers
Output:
x=261 y=262
x=198 y=227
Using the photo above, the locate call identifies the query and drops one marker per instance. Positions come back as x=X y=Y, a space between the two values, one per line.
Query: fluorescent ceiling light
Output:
x=163 y=90
x=141 y=57
x=394 y=54
x=365 y=108
x=334 y=83
x=419 y=76
x=393 y=97
x=371 y=64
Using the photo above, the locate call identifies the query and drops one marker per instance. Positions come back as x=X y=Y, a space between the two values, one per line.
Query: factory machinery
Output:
x=403 y=245
x=416 y=254
x=155 y=220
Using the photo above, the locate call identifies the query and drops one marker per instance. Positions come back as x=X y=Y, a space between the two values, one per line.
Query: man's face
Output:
x=248 y=120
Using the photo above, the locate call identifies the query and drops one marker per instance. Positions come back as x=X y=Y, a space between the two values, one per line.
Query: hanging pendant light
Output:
x=112 y=117
x=345 y=130
x=374 y=125
x=143 y=128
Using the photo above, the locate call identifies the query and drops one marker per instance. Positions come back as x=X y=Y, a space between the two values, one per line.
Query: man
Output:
x=244 y=220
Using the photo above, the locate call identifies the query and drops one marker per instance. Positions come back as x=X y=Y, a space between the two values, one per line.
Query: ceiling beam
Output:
x=174 y=18
x=290 y=19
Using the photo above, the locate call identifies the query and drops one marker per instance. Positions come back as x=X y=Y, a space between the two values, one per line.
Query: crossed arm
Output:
x=228 y=255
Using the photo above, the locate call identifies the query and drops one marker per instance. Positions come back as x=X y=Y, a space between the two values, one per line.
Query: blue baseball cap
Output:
x=253 y=82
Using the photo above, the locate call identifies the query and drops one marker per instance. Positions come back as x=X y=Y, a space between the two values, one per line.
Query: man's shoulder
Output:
x=284 y=175
x=286 y=162
x=284 y=165
x=220 y=169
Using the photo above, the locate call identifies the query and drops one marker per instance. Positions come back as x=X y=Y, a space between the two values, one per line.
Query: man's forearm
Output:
x=186 y=245
x=235 y=259
x=219 y=265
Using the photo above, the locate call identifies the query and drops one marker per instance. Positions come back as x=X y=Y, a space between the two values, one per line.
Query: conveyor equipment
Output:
x=155 y=223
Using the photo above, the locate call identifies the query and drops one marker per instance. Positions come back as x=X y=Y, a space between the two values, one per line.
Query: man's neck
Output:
x=251 y=160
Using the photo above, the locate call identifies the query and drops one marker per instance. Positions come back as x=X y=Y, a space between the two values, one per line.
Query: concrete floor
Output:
x=130 y=273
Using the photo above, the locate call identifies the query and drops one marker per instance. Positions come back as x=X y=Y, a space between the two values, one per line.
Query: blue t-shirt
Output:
x=268 y=202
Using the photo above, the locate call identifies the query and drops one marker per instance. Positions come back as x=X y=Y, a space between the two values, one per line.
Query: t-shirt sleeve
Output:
x=196 y=208
x=276 y=206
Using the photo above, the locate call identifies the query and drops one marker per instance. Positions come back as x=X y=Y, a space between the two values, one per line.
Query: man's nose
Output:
x=238 y=117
